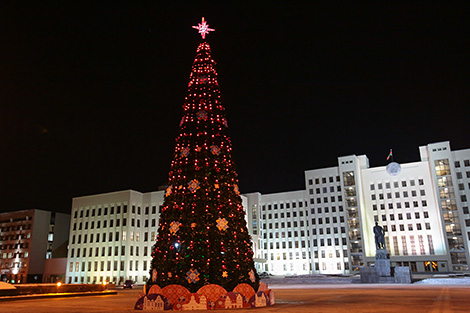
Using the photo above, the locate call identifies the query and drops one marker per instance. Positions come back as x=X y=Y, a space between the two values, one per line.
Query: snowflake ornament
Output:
x=174 y=227
x=192 y=276
x=215 y=150
x=252 y=276
x=201 y=115
x=222 y=224
x=237 y=191
x=168 y=191
x=224 y=274
x=184 y=152
x=194 y=185
x=203 y=79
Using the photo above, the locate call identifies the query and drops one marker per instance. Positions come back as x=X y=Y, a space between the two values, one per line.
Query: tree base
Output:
x=209 y=297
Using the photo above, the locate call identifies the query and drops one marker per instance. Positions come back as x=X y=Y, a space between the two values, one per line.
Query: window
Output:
x=348 y=179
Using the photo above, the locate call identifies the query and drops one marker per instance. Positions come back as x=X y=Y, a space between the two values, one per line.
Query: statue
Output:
x=379 y=233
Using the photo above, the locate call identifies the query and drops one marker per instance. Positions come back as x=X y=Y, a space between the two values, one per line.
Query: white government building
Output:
x=324 y=229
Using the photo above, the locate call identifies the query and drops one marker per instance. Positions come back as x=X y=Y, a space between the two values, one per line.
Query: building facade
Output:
x=27 y=239
x=111 y=236
x=422 y=206
x=324 y=229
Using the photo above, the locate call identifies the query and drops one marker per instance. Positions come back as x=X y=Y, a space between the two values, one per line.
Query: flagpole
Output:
x=390 y=155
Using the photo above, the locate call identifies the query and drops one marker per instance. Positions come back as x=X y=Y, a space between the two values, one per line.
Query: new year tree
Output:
x=202 y=234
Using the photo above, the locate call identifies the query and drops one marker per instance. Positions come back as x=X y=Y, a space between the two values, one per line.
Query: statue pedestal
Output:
x=382 y=263
x=382 y=272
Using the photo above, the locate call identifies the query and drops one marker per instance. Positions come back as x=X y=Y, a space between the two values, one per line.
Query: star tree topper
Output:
x=203 y=28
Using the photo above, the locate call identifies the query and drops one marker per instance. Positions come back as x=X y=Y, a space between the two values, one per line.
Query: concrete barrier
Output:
x=29 y=289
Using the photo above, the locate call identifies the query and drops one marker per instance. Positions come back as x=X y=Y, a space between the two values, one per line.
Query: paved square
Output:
x=290 y=299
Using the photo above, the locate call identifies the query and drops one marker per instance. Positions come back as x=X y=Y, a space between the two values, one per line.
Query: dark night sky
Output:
x=91 y=94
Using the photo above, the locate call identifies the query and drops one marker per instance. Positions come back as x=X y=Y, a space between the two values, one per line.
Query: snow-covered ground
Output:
x=445 y=281
x=5 y=286
x=341 y=281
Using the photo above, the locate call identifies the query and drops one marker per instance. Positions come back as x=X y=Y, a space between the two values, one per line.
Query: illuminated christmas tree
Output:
x=202 y=235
